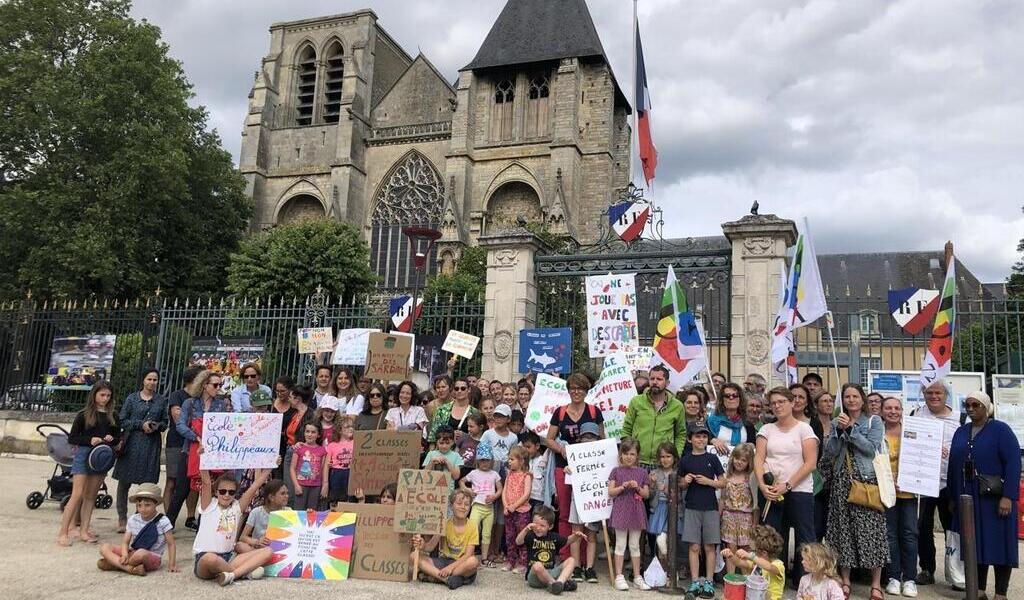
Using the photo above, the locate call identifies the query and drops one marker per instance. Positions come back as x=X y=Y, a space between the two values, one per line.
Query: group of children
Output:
x=503 y=489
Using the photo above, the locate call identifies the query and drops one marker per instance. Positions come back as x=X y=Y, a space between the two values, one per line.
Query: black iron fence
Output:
x=168 y=334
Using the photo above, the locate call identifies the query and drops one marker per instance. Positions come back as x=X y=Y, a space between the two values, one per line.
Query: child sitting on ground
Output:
x=455 y=564
x=767 y=547
x=485 y=484
x=820 y=581
x=145 y=537
x=254 y=534
x=214 y=545
x=542 y=548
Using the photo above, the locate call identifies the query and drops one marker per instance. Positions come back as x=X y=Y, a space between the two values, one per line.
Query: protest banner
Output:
x=388 y=356
x=310 y=545
x=314 y=340
x=613 y=392
x=549 y=395
x=920 y=461
x=379 y=553
x=611 y=314
x=640 y=358
x=906 y=385
x=351 y=346
x=377 y=456
x=240 y=440
x=462 y=344
x=545 y=350
x=421 y=503
x=591 y=465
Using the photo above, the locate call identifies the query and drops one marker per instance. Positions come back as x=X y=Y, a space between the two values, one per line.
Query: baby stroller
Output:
x=58 y=486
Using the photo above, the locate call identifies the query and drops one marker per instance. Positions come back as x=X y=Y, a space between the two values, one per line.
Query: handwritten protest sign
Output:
x=310 y=545
x=548 y=396
x=613 y=392
x=352 y=346
x=377 y=456
x=545 y=350
x=387 y=357
x=314 y=340
x=640 y=358
x=240 y=440
x=591 y=464
x=460 y=343
x=422 y=501
x=379 y=552
x=611 y=314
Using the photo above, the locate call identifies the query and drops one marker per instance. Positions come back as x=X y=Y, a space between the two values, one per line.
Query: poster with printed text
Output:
x=421 y=503
x=241 y=440
x=352 y=346
x=611 y=314
x=310 y=544
x=1008 y=399
x=314 y=340
x=591 y=464
x=549 y=395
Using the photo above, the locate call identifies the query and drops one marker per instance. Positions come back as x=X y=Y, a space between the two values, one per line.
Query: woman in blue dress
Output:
x=143 y=419
x=985 y=453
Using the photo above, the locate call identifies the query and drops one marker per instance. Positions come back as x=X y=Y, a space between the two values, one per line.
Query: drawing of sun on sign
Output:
x=310 y=545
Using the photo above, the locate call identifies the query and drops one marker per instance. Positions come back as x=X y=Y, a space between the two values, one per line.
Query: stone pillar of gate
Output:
x=510 y=300
x=759 y=245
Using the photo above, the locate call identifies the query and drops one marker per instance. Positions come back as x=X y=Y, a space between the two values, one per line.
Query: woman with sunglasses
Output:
x=241 y=394
x=454 y=413
x=727 y=424
x=984 y=462
x=373 y=414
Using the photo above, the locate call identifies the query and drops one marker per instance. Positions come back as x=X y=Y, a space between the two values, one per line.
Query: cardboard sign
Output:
x=611 y=314
x=591 y=464
x=352 y=346
x=422 y=501
x=377 y=456
x=462 y=344
x=613 y=392
x=379 y=552
x=314 y=340
x=310 y=545
x=549 y=395
x=545 y=350
x=240 y=440
x=388 y=357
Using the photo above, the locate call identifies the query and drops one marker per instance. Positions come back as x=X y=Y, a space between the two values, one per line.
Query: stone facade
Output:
x=340 y=117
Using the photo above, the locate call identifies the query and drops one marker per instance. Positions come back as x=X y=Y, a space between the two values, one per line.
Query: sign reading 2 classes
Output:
x=545 y=350
x=611 y=314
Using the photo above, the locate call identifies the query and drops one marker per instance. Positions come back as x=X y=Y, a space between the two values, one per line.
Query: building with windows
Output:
x=345 y=124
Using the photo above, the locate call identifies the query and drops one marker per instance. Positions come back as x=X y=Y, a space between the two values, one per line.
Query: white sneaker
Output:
x=662 y=543
x=893 y=589
x=640 y=584
x=225 y=578
x=910 y=589
x=620 y=584
x=256 y=573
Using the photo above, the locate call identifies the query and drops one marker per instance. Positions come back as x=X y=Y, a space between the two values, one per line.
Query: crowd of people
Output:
x=755 y=469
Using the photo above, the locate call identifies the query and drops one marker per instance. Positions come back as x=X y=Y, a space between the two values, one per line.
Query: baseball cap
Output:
x=259 y=398
x=590 y=429
x=504 y=410
x=696 y=427
x=329 y=402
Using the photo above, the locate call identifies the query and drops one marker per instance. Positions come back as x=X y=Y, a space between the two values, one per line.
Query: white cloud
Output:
x=891 y=124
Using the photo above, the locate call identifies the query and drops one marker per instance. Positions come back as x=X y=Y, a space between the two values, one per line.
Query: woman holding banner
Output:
x=564 y=429
x=143 y=418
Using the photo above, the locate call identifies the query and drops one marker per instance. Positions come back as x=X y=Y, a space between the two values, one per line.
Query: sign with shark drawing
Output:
x=545 y=350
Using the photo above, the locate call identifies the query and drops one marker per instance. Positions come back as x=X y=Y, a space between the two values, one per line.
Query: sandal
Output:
x=879 y=596
x=489 y=563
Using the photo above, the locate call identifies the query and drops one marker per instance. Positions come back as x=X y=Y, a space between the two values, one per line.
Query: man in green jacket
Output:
x=655 y=417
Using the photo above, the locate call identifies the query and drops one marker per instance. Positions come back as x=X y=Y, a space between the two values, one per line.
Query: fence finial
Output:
x=869 y=290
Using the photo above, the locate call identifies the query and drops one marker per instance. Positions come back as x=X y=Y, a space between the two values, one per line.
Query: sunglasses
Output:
x=460 y=388
x=213 y=383
x=225 y=492
x=730 y=395
x=250 y=376
x=376 y=396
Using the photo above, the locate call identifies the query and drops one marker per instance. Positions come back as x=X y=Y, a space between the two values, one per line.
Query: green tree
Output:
x=110 y=183
x=290 y=261
x=1015 y=282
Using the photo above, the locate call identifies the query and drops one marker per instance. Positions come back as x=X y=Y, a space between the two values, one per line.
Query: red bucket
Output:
x=735 y=587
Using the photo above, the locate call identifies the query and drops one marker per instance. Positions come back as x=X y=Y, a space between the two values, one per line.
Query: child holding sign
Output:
x=215 y=541
x=455 y=564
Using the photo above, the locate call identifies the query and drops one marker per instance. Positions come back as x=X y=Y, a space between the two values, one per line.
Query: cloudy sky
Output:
x=890 y=125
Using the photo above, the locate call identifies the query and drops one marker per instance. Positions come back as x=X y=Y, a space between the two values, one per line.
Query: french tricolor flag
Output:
x=648 y=153
x=400 y=311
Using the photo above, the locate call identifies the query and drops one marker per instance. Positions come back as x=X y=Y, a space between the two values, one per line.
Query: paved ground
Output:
x=33 y=566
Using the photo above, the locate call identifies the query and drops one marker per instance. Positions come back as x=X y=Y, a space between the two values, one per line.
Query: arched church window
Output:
x=537 y=106
x=334 y=74
x=501 y=113
x=412 y=195
x=305 y=86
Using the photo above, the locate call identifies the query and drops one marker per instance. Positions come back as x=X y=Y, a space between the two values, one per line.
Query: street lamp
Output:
x=417 y=235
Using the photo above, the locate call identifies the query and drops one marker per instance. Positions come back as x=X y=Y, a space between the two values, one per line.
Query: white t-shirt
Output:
x=352 y=406
x=136 y=523
x=405 y=420
x=786 y=452
x=218 y=528
x=538 y=466
x=500 y=445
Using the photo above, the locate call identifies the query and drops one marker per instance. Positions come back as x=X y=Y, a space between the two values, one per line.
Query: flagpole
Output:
x=835 y=359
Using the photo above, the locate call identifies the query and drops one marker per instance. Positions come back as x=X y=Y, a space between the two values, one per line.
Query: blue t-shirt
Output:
x=701 y=497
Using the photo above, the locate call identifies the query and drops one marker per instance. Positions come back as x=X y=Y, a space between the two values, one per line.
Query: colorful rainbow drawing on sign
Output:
x=310 y=545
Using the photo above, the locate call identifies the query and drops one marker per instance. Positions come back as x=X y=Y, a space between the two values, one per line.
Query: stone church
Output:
x=344 y=124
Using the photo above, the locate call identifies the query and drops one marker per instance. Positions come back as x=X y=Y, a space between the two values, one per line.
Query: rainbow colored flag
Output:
x=678 y=340
x=937 y=361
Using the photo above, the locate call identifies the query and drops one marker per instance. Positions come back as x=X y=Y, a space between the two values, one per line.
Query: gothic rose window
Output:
x=411 y=195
